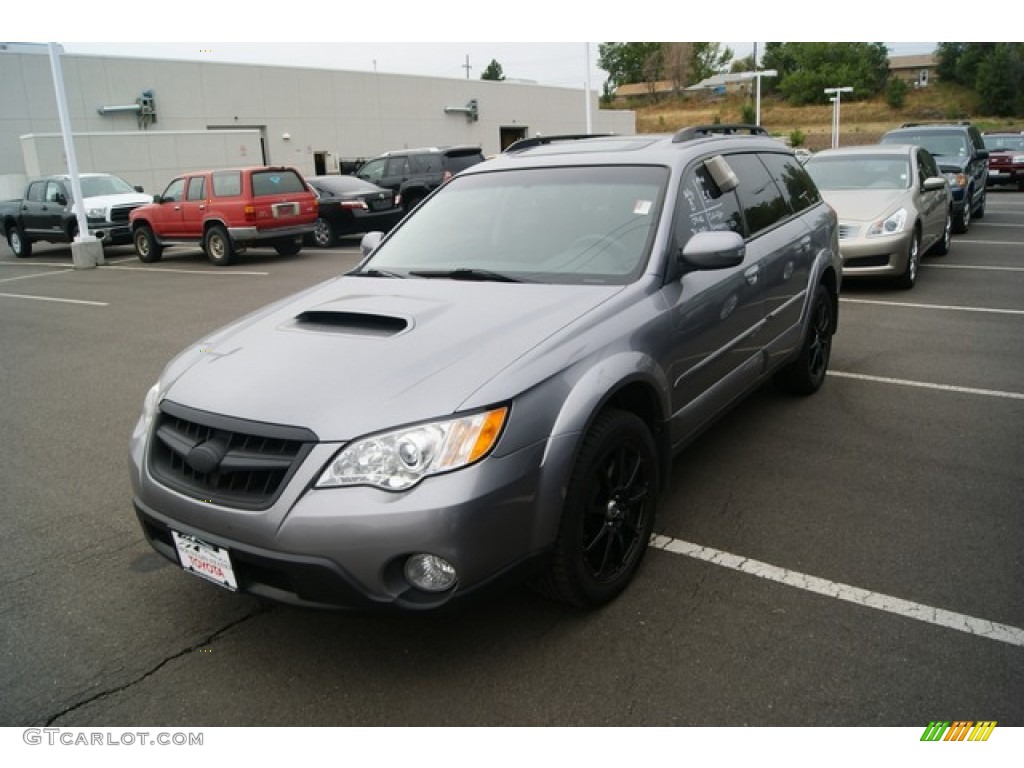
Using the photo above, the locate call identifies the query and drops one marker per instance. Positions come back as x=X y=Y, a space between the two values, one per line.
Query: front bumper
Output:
x=345 y=548
x=1005 y=176
x=880 y=256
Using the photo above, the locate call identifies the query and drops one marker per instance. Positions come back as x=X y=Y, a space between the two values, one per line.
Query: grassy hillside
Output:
x=861 y=122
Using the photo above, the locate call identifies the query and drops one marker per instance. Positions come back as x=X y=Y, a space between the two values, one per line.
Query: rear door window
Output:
x=793 y=181
x=196 y=188
x=761 y=199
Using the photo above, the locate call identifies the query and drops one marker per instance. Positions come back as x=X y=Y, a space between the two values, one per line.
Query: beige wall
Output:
x=347 y=114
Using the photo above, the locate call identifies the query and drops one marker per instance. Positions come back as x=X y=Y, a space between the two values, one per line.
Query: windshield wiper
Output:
x=466 y=273
x=376 y=273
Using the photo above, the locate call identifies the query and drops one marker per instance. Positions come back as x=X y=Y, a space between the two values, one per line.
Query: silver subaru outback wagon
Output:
x=496 y=392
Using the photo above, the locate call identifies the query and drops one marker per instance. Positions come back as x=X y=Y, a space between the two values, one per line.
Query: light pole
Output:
x=757 y=75
x=836 y=101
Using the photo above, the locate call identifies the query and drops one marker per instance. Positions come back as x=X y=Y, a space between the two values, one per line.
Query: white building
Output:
x=147 y=119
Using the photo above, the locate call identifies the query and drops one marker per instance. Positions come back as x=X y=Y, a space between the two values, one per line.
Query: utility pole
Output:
x=466 y=66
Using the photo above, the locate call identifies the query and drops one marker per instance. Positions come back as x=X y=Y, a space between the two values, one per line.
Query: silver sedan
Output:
x=893 y=203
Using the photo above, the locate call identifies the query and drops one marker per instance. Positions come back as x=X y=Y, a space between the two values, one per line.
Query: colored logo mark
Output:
x=959 y=730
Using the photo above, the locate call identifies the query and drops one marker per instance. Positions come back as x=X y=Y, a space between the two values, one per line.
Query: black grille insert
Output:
x=225 y=460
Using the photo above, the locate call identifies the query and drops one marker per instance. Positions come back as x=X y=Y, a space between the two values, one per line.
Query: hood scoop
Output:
x=350 y=323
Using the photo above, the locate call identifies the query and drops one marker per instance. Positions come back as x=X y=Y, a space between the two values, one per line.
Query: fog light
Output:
x=429 y=573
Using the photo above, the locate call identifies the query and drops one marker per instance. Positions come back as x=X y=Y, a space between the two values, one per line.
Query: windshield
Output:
x=949 y=144
x=859 y=172
x=95 y=186
x=566 y=225
x=1015 y=143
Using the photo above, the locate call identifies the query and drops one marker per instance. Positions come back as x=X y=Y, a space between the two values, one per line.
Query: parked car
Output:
x=46 y=212
x=351 y=206
x=893 y=204
x=1005 y=158
x=960 y=152
x=226 y=211
x=412 y=174
x=496 y=392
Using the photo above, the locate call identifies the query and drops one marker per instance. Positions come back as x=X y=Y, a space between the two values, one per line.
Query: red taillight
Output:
x=354 y=205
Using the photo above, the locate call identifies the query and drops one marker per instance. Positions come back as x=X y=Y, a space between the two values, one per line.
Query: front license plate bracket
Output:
x=205 y=560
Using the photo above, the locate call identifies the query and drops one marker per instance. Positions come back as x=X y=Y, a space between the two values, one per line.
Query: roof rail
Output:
x=537 y=141
x=936 y=122
x=726 y=129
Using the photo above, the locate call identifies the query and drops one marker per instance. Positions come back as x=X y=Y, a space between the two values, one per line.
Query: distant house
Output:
x=916 y=71
x=721 y=84
x=657 y=88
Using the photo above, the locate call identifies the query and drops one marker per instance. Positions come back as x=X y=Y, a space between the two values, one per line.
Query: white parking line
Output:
x=29 y=277
x=1003 y=633
x=50 y=298
x=969 y=266
x=929 y=385
x=934 y=306
x=989 y=242
x=190 y=271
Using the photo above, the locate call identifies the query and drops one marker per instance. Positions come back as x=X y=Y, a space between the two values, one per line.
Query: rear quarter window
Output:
x=227 y=183
x=276 y=183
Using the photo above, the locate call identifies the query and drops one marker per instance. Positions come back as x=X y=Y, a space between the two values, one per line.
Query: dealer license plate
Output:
x=285 y=209
x=205 y=560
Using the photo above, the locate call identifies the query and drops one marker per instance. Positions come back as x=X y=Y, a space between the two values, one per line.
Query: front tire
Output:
x=219 y=248
x=962 y=222
x=942 y=247
x=608 y=514
x=146 y=246
x=907 y=280
x=20 y=245
x=806 y=374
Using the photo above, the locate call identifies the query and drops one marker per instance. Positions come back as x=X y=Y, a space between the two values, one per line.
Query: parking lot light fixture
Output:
x=757 y=75
x=836 y=101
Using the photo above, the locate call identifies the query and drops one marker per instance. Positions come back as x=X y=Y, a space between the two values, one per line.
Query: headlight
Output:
x=150 y=408
x=398 y=460
x=99 y=214
x=957 y=179
x=1017 y=159
x=890 y=225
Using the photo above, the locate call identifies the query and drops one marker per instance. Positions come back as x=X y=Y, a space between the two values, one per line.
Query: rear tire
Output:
x=20 y=245
x=288 y=247
x=146 y=246
x=806 y=374
x=608 y=514
x=323 y=233
x=219 y=248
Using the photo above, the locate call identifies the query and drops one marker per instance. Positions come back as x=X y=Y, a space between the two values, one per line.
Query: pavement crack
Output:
x=164 y=662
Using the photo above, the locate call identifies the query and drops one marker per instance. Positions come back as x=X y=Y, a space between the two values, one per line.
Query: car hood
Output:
x=105 y=201
x=865 y=204
x=360 y=354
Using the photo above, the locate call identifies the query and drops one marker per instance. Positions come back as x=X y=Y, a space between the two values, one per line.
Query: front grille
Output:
x=119 y=213
x=848 y=230
x=224 y=460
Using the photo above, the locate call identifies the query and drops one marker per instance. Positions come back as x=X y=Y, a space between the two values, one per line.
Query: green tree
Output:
x=629 y=63
x=708 y=59
x=807 y=69
x=896 y=93
x=995 y=71
x=493 y=71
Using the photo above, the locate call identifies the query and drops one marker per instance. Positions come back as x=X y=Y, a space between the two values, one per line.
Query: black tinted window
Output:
x=763 y=204
x=458 y=163
x=702 y=207
x=427 y=163
x=793 y=181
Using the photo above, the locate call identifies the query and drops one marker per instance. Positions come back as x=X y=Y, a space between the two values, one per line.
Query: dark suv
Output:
x=415 y=173
x=496 y=392
x=960 y=152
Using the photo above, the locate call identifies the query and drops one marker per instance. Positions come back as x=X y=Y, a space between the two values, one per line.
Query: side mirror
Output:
x=933 y=183
x=714 y=250
x=59 y=199
x=369 y=242
x=138 y=188
x=982 y=154
x=157 y=199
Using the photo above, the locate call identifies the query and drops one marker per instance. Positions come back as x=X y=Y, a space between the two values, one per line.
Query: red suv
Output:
x=1005 y=158
x=225 y=211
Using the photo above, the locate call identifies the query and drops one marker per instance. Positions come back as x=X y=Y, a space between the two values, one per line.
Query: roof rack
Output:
x=936 y=122
x=725 y=129
x=537 y=141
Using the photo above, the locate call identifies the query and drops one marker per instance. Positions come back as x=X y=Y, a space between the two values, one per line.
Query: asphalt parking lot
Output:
x=850 y=559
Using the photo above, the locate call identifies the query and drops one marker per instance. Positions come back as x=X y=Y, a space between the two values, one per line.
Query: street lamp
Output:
x=757 y=76
x=836 y=101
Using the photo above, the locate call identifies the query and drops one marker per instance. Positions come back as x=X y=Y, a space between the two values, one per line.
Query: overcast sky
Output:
x=414 y=33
